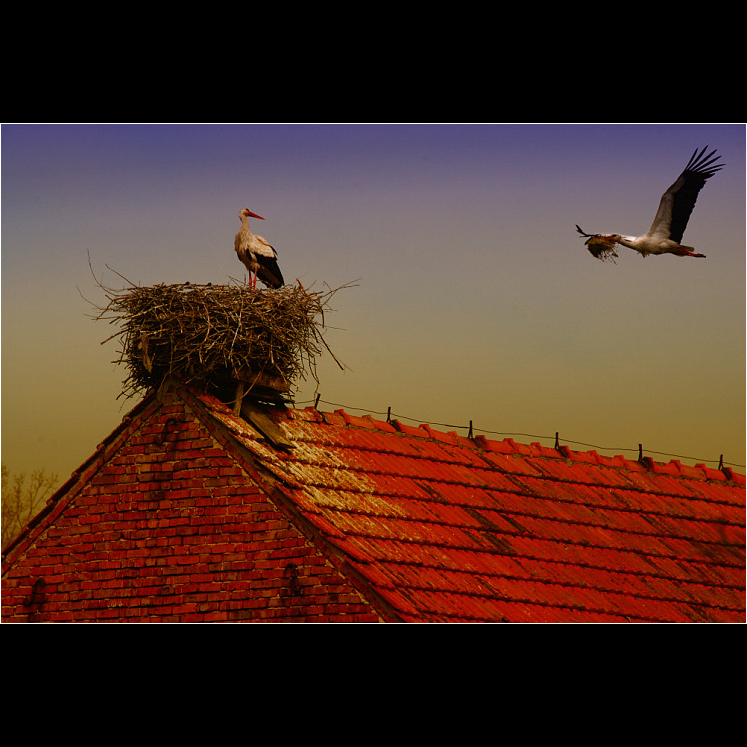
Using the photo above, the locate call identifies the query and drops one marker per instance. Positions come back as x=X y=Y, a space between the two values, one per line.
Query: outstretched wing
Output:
x=679 y=200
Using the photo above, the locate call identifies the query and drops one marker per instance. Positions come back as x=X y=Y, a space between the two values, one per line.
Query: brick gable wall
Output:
x=166 y=526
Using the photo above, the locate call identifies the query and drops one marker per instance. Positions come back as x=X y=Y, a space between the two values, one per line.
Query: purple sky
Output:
x=476 y=300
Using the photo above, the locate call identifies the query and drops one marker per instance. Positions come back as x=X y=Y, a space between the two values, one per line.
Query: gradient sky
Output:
x=475 y=298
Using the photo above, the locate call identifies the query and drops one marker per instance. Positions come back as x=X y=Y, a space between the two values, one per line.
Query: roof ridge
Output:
x=508 y=445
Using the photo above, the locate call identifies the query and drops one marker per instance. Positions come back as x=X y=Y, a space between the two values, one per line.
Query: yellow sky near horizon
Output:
x=475 y=298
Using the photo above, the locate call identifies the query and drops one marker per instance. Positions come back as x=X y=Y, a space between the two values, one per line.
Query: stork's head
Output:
x=246 y=213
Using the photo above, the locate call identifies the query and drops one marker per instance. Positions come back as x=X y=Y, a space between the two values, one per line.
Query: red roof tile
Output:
x=421 y=525
x=479 y=530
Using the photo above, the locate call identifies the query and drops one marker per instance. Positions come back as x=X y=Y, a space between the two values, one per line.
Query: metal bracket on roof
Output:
x=728 y=472
x=646 y=461
x=562 y=449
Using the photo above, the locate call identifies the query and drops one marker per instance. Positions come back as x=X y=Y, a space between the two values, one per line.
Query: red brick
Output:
x=176 y=518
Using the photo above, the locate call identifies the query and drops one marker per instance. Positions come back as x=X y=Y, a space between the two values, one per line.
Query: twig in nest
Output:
x=210 y=333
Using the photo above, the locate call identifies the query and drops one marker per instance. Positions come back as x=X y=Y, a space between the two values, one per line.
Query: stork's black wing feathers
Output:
x=268 y=271
x=685 y=190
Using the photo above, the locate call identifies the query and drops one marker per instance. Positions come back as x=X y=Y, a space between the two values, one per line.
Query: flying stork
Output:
x=675 y=207
x=256 y=254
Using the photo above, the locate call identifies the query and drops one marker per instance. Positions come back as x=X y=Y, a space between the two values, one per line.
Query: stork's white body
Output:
x=671 y=219
x=651 y=243
x=249 y=245
x=256 y=254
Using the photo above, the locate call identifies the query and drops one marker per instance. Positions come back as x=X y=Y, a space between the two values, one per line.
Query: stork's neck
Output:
x=629 y=241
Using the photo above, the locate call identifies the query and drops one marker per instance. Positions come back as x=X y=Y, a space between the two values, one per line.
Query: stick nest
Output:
x=602 y=248
x=212 y=335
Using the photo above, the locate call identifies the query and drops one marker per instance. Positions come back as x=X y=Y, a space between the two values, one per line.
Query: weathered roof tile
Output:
x=432 y=526
x=483 y=529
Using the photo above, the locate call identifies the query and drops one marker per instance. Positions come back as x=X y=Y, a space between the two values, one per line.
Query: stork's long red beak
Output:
x=254 y=215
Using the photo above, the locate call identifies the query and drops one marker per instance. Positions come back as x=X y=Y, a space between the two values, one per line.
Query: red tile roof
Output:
x=392 y=522
x=450 y=529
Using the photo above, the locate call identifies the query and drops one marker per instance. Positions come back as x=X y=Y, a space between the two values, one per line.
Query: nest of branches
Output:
x=602 y=248
x=215 y=335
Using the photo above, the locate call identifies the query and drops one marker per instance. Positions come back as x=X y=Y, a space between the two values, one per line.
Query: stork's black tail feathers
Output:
x=268 y=272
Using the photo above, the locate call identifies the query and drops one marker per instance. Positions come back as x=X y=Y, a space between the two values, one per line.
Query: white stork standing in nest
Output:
x=256 y=254
x=670 y=222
